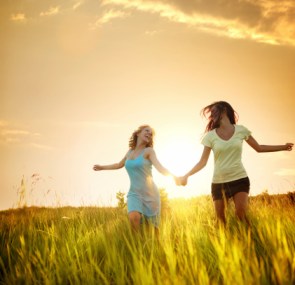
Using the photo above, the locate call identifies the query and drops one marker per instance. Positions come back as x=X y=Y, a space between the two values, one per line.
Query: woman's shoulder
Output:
x=208 y=137
x=243 y=131
x=210 y=133
x=241 y=128
x=149 y=149
x=147 y=152
x=128 y=153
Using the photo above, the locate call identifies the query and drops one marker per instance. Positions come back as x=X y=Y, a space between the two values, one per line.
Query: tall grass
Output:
x=96 y=246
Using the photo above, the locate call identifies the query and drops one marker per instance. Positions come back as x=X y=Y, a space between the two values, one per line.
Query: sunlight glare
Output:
x=179 y=156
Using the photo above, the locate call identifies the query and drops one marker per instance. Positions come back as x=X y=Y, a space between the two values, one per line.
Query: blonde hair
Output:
x=133 y=138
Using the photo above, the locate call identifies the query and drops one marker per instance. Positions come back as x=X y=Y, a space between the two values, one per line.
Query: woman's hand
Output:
x=289 y=146
x=183 y=180
x=180 y=181
x=97 y=167
x=177 y=180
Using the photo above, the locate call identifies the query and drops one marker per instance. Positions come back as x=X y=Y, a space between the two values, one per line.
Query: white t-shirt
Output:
x=227 y=154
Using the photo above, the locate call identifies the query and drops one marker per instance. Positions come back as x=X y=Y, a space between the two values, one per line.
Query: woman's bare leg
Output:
x=134 y=218
x=241 y=205
x=220 y=210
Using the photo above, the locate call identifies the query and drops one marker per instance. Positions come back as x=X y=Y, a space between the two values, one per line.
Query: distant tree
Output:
x=121 y=200
x=265 y=192
x=266 y=198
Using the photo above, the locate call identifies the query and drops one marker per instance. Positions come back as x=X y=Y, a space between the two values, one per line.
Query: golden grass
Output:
x=91 y=245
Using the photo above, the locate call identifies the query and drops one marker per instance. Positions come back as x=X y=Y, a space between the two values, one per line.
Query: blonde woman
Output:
x=143 y=198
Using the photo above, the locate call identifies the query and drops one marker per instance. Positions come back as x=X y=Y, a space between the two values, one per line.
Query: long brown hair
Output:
x=133 y=138
x=220 y=107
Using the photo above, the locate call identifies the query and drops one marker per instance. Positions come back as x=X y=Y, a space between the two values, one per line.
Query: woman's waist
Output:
x=228 y=174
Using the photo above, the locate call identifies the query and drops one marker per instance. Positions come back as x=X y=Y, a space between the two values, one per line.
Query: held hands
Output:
x=180 y=181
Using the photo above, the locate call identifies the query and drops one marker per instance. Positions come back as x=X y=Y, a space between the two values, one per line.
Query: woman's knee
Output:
x=241 y=212
x=241 y=204
x=134 y=218
x=220 y=210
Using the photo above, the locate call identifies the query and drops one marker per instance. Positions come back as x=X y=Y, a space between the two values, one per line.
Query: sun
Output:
x=179 y=153
x=179 y=156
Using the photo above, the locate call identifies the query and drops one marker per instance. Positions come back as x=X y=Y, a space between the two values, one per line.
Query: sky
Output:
x=78 y=77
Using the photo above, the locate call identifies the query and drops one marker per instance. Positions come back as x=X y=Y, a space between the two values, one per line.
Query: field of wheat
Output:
x=91 y=245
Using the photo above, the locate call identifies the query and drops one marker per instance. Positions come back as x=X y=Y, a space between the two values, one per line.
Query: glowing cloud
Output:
x=267 y=21
x=77 y=5
x=20 y=17
x=14 y=132
x=40 y=146
x=12 y=136
x=50 y=12
x=107 y=17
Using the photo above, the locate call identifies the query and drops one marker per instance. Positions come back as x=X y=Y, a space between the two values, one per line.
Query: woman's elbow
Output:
x=119 y=165
x=259 y=149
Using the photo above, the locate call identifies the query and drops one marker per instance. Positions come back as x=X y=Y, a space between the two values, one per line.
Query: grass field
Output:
x=91 y=245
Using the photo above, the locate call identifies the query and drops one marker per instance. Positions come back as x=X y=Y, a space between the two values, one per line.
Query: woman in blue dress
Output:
x=143 y=198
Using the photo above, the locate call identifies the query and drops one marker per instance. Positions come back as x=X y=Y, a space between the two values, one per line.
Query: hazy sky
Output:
x=77 y=77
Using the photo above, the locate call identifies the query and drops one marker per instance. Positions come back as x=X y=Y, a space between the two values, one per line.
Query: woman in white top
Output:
x=225 y=138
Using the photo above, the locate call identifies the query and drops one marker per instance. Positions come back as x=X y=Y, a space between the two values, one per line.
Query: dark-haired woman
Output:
x=143 y=198
x=225 y=138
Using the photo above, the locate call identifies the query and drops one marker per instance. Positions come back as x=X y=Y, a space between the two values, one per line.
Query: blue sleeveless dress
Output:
x=143 y=195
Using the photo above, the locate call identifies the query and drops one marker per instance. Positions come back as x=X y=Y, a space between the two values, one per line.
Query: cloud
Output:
x=11 y=135
x=6 y=132
x=267 y=21
x=77 y=5
x=286 y=172
x=51 y=11
x=112 y=14
x=109 y=16
x=40 y=146
x=152 y=32
x=19 y=17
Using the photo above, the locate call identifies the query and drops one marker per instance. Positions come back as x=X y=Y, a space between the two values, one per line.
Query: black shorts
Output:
x=229 y=189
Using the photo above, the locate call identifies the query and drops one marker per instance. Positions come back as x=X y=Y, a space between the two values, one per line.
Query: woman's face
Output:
x=215 y=114
x=146 y=135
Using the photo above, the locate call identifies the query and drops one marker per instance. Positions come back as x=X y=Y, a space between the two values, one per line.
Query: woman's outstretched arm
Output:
x=268 y=148
x=114 y=166
x=151 y=155
x=200 y=165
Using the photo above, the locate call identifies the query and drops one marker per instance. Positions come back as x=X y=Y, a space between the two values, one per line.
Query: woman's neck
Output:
x=225 y=123
x=139 y=146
